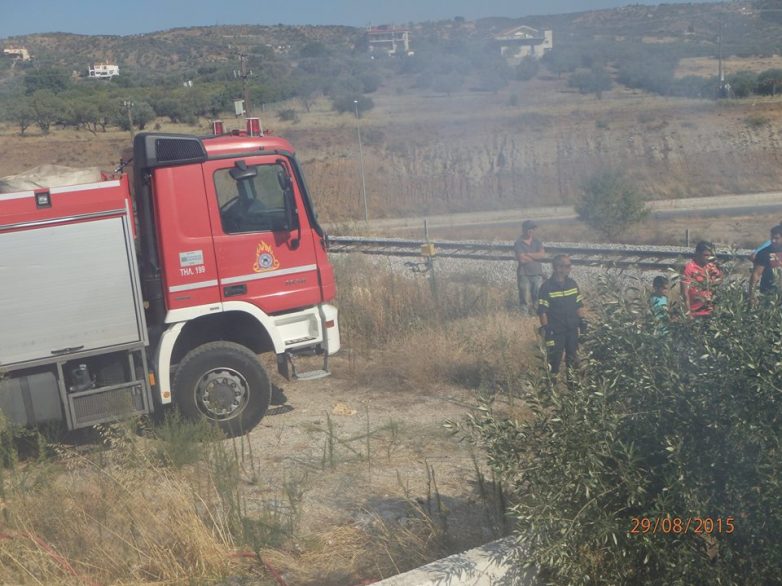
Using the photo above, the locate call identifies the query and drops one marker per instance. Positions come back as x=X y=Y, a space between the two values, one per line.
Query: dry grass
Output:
x=464 y=332
x=740 y=230
x=124 y=519
x=707 y=66
x=350 y=554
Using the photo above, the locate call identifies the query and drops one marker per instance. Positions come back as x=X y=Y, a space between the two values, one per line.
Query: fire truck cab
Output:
x=116 y=304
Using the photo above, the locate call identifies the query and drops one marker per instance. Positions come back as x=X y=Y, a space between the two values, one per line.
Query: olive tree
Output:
x=660 y=461
x=19 y=112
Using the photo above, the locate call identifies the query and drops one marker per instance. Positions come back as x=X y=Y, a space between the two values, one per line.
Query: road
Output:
x=750 y=203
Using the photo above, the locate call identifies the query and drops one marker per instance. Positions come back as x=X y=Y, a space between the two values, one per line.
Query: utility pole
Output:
x=129 y=107
x=725 y=89
x=244 y=74
x=361 y=160
x=721 y=71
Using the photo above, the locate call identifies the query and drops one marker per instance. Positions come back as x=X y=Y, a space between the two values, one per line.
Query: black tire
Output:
x=224 y=383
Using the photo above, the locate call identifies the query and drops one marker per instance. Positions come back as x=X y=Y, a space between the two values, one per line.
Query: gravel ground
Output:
x=503 y=272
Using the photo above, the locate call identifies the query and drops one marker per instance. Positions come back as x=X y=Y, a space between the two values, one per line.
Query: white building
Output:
x=103 y=71
x=524 y=41
x=17 y=53
x=390 y=40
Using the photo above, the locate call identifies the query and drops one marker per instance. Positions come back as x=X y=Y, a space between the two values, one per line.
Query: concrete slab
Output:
x=494 y=564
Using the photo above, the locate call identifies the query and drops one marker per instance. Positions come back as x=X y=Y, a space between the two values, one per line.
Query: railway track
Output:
x=652 y=258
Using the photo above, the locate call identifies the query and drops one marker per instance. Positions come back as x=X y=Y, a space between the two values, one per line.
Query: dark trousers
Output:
x=558 y=343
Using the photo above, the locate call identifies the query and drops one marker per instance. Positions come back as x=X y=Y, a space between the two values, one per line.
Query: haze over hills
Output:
x=694 y=26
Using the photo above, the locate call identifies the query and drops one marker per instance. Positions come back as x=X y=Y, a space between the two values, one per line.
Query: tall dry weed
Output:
x=349 y=554
x=112 y=523
x=464 y=331
x=122 y=515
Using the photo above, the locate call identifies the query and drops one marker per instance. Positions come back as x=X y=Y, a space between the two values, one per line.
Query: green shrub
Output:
x=527 y=69
x=593 y=81
x=347 y=104
x=610 y=203
x=288 y=115
x=756 y=121
x=685 y=425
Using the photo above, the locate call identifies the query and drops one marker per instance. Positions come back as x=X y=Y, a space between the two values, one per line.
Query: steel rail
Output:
x=586 y=255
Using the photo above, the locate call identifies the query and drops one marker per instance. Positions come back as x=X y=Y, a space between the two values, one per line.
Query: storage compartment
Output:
x=67 y=288
x=106 y=387
x=31 y=399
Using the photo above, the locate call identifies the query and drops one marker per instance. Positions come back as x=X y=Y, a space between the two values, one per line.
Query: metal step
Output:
x=299 y=340
x=311 y=374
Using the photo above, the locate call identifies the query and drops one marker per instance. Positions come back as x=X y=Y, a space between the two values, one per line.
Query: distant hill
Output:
x=178 y=50
x=745 y=31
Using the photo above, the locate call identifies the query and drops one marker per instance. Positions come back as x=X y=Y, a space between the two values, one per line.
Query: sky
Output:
x=124 y=17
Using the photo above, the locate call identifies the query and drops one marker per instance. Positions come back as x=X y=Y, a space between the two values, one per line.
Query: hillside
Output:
x=693 y=27
x=492 y=139
x=179 y=50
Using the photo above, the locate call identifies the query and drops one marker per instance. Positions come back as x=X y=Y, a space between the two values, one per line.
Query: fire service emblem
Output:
x=265 y=259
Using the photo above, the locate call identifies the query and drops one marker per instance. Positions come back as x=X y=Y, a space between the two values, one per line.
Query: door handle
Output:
x=234 y=290
x=67 y=350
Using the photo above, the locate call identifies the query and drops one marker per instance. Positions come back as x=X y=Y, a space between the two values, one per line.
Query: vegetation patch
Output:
x=659 y=463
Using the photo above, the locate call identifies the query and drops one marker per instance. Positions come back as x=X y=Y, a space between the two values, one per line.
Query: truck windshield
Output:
x=252 y=204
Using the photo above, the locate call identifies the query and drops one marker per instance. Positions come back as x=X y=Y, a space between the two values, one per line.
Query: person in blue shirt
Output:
x=767 y=266
x=658 y=303
x=754 y=253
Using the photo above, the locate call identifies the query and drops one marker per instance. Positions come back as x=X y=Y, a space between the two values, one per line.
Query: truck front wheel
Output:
x=224 y=383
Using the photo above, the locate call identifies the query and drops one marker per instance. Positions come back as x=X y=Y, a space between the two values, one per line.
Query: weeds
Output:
x=165 y=508
x=464 y=335
x=756 y=121
x=180 y=440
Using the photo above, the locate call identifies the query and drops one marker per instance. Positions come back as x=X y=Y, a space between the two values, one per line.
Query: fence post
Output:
x=428 y=251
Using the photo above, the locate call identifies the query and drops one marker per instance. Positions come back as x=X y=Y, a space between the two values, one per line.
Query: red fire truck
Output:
x=115 y=303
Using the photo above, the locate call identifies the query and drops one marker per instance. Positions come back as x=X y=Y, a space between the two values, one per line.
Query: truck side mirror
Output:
x=241 y=171
x=291 y=212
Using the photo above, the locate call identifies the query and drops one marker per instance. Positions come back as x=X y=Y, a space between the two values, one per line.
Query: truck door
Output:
x=262 y=238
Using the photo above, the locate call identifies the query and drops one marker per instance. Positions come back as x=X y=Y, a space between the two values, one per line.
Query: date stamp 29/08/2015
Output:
x=681 y=525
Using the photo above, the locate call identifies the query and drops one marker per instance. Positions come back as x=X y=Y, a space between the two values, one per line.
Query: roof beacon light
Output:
x=254 y=127
x=217 y=127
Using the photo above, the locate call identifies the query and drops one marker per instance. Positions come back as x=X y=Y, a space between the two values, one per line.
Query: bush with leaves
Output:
x=527 y=69
x=769 y=82
x=683 y=425
x=610 y=203
x=592 y=81
x=347 y=103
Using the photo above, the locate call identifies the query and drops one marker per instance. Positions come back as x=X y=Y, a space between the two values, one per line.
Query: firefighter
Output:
x=561 y=314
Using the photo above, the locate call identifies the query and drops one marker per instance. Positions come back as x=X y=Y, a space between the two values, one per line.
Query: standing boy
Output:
x=658 y=303
x=561 y=313
x=529 y=274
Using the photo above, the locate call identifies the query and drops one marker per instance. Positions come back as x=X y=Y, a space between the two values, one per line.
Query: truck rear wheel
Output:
x=224 y=383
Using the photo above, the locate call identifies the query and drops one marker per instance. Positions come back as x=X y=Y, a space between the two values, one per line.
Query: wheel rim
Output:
x=221 y=393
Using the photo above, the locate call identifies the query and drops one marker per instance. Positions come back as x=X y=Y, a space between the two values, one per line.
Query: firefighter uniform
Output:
x=560 y=302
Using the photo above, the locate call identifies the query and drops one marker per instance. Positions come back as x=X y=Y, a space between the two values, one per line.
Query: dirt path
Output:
x=309 y=458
